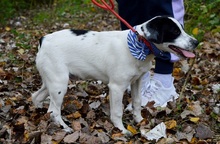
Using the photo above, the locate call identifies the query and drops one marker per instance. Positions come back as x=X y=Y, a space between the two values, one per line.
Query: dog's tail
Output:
x=39 y=96
x=40 y=42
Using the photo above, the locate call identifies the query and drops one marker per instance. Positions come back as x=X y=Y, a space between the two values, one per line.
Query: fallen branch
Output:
x=186 y=80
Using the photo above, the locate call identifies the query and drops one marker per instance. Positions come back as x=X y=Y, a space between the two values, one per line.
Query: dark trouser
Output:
x=136 y=12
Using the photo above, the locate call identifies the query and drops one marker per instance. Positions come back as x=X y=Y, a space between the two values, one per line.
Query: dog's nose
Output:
x=195 y=43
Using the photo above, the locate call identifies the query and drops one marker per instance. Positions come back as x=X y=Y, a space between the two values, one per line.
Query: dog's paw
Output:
x=68 y=130
x=127 y=133
x=38 y=104
x=138 y=118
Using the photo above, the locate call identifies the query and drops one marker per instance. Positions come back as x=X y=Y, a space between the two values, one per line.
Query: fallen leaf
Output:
x=71 y=138
x=117 y=135
x=7 y=28
x=95 y=105
x=195 y=31
x=156 y=133
x=132 y=129
x=176 y=71
x=194 y=119
x=58 y=136
x=90 y=115
x=46 y=139
x=183 y=135
x=76 y=125
x=87 y=139
x=104 y=137
x=36 y=135
x=74 y=115
x=196 y=108
x=20 y=51
x=185 y=113
x=77 y=104
x=204 y=132
x=170 y=124
x=2 y=72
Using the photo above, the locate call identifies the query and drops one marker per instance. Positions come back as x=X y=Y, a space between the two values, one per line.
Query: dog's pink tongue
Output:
x=187 y=53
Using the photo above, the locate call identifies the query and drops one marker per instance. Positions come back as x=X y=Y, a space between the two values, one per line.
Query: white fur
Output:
x=98 y=55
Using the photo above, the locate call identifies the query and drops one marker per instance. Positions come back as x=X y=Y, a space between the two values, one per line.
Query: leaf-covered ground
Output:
x=193 y=118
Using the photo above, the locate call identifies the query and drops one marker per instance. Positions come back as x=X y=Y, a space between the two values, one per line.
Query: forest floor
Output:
x=193 y=118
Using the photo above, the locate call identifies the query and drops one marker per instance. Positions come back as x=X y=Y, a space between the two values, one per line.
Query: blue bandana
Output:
x=140 y=51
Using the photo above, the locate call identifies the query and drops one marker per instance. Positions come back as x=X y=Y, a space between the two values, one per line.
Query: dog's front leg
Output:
x=136 y=100
x=116 y=109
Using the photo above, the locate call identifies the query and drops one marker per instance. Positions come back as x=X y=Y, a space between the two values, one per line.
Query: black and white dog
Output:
x=104 y=56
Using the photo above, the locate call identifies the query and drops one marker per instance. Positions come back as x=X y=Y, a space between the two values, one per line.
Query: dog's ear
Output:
x=155 y=28
x=162 y=29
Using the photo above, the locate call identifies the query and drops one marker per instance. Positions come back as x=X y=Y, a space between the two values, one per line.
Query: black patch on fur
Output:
x=162 y=29
x=79 y=32
x=59 y=92
x=41 y=41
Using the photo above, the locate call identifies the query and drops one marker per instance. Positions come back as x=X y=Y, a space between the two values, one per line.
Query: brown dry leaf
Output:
x=46 y=116
x=7 y=28
x=36 y=135
x=195 y=108
x=42 y=125
x=104 y=137
x=183 y=135
x=71 y=138
x=58 y=136
x=95 y=104
x=21 y=51
x=170 y=124
x=19 y=110
x=91 y=115
x=78 y=104
x=204 y=81
x=74 y=115
x=117 y=135
x=119 y=142
x=87 y=139
x=203 y=132
x=108 y=125
x=92 y=90
x=2 y=72
x=76 y=125
x=176 y=71
x=194 y=140
x=196 y=81
x=46 y=139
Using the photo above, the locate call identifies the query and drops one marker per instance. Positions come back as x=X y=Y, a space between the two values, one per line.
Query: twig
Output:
x=186 y=80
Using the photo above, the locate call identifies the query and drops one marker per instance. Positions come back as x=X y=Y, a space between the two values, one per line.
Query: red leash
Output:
x=110 y=7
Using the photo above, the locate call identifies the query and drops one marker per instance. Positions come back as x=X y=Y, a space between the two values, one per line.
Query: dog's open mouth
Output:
x=182 y=52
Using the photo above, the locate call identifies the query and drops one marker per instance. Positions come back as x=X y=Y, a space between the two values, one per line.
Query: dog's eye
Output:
x=176 y=32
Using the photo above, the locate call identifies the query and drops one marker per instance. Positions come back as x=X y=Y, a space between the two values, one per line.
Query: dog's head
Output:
x=168 y=35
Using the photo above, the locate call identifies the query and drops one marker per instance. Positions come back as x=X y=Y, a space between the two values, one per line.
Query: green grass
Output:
x=201 y=14
x=204 y=15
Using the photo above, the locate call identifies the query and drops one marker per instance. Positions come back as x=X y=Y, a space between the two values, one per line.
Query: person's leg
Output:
x=160 y=87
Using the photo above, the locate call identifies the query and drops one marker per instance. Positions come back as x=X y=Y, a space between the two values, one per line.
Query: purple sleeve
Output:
x=178 y=10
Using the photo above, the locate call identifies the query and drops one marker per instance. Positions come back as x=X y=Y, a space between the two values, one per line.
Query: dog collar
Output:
x=137 y=48
x=140 y=51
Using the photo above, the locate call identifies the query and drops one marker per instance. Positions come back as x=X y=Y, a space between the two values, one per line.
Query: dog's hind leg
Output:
x=39 y=96
x=57 y=90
